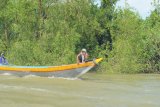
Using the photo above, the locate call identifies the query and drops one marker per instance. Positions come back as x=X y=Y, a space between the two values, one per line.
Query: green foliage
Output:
x=136 y=45
x=52 y=32
x=125 y=55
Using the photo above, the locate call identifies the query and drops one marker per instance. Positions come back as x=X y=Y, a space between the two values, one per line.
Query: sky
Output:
x=143 y=7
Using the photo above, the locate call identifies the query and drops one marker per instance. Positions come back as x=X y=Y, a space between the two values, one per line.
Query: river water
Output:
x=91 y=90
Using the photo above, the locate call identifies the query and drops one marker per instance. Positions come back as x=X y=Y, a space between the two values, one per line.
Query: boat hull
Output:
x=66 y=71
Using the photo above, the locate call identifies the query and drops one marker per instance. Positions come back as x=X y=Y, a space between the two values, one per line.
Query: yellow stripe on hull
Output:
x=50 y=68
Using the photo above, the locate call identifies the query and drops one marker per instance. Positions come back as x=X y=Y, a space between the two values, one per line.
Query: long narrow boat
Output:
x=66 y=71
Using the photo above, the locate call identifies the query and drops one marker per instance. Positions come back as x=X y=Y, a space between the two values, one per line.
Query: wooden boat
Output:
x=66 y=71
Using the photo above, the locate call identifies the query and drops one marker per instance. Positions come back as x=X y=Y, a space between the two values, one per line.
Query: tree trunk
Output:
x=6 y=35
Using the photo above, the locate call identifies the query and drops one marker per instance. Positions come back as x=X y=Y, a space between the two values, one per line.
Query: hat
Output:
x=84 y=50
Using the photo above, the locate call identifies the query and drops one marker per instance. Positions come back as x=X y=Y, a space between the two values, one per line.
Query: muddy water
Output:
x=92 y=90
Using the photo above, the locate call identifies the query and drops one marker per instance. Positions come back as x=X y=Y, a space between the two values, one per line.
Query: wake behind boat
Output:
x=66 y=71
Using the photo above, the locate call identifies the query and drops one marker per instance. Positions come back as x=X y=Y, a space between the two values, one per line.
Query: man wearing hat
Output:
x=82 y=56
x=3 y=60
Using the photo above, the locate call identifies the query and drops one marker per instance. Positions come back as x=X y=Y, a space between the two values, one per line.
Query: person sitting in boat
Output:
x=82 y=56
x=3 y=60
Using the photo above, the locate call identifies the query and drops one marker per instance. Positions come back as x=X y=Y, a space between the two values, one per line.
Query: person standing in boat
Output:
x=82 y=56
x=3 y=60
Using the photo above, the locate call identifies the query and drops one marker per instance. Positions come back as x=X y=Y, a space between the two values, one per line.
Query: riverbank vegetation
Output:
x=52 y=32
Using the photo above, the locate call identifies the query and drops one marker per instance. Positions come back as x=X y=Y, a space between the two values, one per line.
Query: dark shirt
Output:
x=80 y=57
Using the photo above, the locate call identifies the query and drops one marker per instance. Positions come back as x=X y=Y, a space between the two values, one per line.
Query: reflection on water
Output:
x=92 y=90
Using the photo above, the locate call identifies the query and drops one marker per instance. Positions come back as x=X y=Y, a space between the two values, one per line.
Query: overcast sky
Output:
x=143 y=7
